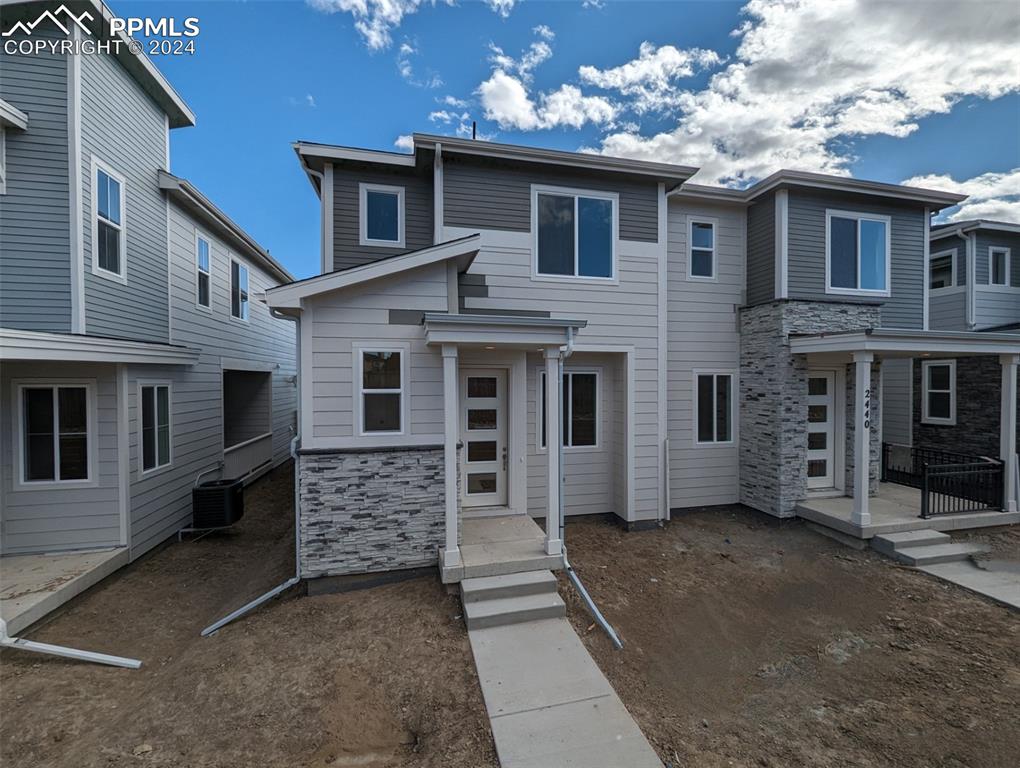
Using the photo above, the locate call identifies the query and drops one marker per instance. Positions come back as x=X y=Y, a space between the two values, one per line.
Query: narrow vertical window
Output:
x=55 y=442
x=939 y=381
x=998 y=266
x=713 y=406
x=382 y=391
x=202 y=272
x=238 y=290
x=155 y=426
x=702 y=249
x=109 y=212
x=579 y=409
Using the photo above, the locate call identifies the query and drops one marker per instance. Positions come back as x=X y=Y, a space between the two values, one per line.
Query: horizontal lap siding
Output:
x=35 y=247
x=419 y=220
x=897 y=377
x=761 y=250
x=994 y=306
x=48 y=519
x=489 y=195
x=948 y=311
x=123 y=127
x=161 y=502
x=702 y=335
x=904 y=308
x=361 y=314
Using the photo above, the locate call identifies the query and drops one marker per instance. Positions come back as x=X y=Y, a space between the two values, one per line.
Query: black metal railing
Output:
x=950 y=483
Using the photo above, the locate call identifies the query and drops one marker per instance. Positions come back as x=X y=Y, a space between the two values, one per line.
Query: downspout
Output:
x=68 y=653
x=571 y=574
x=294 y=443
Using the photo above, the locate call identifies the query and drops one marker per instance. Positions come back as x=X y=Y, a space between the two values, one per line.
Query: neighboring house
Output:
x=135 y=352
x=974 y=285
x=717 y=346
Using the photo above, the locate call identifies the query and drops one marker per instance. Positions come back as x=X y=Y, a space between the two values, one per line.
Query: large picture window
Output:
x=108 y=257
x=238 y=290
x=381 y=390
x=938 y=379
x=381 y=217
x=857 y=253
x=713 y=407
x=55 y=433
x=574 y=234
x=155 y=418
x=579 y=409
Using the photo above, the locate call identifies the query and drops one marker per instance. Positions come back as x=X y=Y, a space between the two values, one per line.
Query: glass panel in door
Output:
x=820 y=429
x=483 y=434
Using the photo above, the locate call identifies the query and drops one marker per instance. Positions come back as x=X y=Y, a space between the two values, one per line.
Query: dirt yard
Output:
x=748 y=643
x=381 y=677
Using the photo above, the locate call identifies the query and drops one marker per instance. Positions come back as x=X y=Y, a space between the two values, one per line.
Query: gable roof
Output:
x=463 y=249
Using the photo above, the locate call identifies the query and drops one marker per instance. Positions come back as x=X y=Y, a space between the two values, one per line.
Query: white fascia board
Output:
x=332 y=152
x=498 y=330
x=11 y=116
x=907 y=342
x=289 y=296
x=859 y=186
x=34 y=345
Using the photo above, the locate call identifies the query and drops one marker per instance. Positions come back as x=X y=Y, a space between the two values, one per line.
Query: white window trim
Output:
x=858 y=216
x=614 y=198
x=18 y=434
x=363 y=238
x=3 y=160
x=199 y=235
x=734 y=412
x=119 y=277
x=357 y=349
x=231 y=259
x=993 y=249
x=142 y=383
x=599 y=416
x=925 y=417
x=952 y=252
x=714 y=223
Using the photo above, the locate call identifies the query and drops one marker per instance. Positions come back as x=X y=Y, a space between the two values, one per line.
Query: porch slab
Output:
x=32 y=586
x=895 y=509
x=497 y=546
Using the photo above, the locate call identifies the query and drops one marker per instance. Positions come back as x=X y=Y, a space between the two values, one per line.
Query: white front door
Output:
x=483 y=434
x=821 y=423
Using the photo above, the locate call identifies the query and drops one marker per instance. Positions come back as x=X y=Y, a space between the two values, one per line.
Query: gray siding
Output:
x=897 y=378
x=702 y=335
x=161 y=501
x=996 y=305
x=418 y=227
x=482 y=194
x=35 y=249
x=806 y=279
x=123 y=127
x=985 y=240
x=43 y=519
x=947 y=310
x=761 y=250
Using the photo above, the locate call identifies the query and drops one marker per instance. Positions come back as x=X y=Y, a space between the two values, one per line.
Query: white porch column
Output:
x=451 y=410
x=862 y=437
x=1007 y=432
x=553 y=440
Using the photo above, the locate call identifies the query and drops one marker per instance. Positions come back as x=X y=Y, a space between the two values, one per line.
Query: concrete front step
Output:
x=510 y=585
x=889 y=543
x=513 y=610
x=930 y=554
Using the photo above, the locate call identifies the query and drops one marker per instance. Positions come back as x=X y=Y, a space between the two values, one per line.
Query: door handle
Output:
x=504 y=458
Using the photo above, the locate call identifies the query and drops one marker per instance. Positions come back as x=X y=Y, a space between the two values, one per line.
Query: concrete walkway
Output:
x=549 y=704
x=995 y=579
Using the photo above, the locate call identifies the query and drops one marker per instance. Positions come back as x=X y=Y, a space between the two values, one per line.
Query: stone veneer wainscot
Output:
x=773 y=398
x=369 y=510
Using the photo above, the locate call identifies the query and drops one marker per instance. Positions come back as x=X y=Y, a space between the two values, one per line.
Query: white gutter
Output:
x=6 y=641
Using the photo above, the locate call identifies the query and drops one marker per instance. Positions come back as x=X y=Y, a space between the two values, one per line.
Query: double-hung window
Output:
x=575 y=233
x=55 y=432
x=203 y=274
x=238 y=290
x=579 y=409
x=381 y=215
x=998 y=266
x=942 y=270
x=381 y=379
x=713 y=407
x=108 y=257
x=701 y=250
x=938 y=378
x=857 y=253
x=155 y=419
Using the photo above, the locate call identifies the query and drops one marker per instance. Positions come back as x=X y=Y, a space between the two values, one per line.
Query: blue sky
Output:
x=821 y=86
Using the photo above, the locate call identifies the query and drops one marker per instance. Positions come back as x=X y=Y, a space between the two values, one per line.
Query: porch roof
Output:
x=35 y=345
x=498 y=330
x=891 y=342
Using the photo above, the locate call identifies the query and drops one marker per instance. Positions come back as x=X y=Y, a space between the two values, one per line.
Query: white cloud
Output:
x=506 y=100
x=407 y=71
x=502 y=7
x=405 y=142
x=310 y=100
x=650 y=81
x=536 y=54
x=453 y=101
x=593 y=4
x=810 y=74
x=447 y=117
x=543 y=31
x=993 y=196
